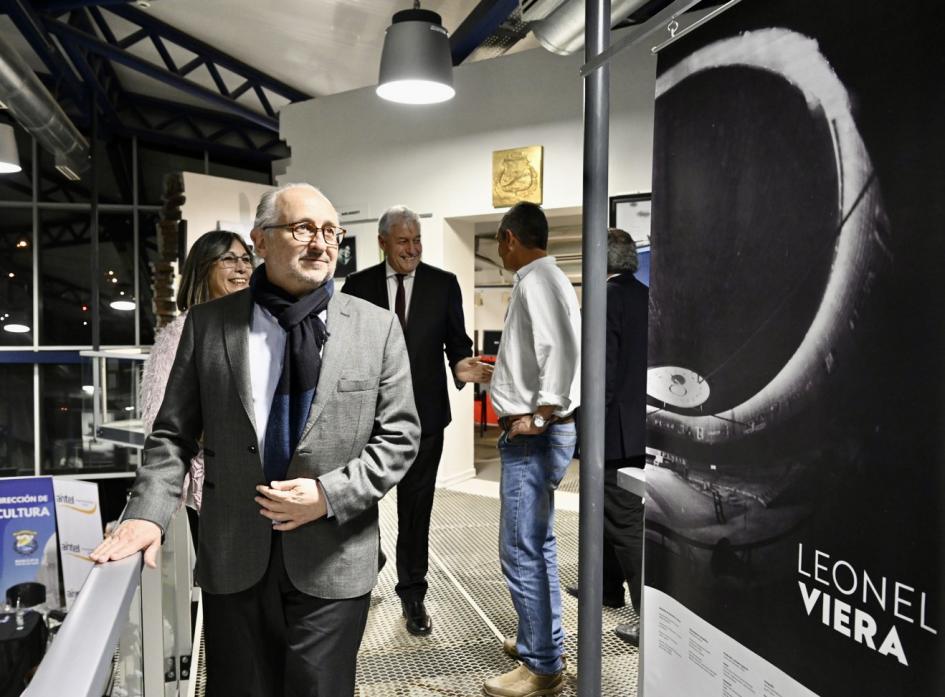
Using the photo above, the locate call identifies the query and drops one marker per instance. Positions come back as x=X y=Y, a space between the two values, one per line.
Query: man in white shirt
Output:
x=535 y=390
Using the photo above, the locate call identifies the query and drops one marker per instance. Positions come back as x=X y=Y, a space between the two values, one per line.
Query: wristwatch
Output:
x=539 y=421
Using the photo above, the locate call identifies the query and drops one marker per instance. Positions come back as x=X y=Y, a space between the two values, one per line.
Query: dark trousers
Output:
x=623 y=534
x=414 y=507
x=272 y=640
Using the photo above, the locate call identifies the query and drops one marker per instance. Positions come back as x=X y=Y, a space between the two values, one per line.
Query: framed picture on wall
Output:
x=347 y=257
x=631 y=212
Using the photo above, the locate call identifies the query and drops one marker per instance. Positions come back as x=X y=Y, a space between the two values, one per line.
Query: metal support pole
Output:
x=593 y=349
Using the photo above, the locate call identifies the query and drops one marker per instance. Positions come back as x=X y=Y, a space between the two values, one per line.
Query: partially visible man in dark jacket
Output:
x=624 y=426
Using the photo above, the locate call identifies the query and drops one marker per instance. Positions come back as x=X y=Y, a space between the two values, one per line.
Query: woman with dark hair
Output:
x=219 y=263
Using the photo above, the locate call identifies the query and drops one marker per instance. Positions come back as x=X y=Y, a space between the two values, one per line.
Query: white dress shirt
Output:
x=539 y=361
x=392 y=288
x=266 y=354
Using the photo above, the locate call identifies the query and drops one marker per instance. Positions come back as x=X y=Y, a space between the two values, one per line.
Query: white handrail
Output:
x=79 y=661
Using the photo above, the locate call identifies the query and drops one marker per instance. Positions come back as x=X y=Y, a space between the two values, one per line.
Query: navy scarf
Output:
x=301 y=365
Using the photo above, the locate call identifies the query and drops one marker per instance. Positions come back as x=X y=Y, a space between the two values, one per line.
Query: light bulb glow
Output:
x=415 y=92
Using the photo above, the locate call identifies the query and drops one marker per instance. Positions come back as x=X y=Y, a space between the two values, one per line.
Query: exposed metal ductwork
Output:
x=559 y=25
x=36 y=110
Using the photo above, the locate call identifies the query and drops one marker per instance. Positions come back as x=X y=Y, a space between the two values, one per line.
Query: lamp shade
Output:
x=9 y=155
x=416 y=64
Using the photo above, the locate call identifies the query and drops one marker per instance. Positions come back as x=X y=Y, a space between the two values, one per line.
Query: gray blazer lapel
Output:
x=340 y=339
x=236 y=339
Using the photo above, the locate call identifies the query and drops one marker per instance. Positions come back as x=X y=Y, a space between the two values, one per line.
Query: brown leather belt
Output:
x=505 y=422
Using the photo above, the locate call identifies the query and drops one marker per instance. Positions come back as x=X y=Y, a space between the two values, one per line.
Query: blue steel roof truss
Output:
x=66 y=33
x=76 y=33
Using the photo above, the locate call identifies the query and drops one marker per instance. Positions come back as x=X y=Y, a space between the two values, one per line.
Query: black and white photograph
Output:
x=631 y=213
x=347 y=257
x=794 y=329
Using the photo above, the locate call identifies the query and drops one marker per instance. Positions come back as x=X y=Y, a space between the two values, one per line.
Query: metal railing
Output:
x=128 y=633
x=79 y=662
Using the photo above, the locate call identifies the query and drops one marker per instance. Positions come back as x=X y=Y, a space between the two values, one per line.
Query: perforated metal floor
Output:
x=471 y=610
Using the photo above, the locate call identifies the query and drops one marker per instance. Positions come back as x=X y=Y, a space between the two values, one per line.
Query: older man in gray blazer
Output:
x=303 y=401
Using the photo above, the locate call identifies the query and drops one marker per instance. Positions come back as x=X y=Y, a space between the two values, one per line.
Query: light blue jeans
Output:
x=532 y=468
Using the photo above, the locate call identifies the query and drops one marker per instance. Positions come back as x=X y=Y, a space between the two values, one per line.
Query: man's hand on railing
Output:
x=131 y=536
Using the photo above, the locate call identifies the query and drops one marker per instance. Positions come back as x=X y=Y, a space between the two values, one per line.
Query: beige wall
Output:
x=214 y=200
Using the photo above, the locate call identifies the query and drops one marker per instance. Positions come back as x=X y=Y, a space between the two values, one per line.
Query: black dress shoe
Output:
x=613 y=601
x=418 y=621
x=630 y=633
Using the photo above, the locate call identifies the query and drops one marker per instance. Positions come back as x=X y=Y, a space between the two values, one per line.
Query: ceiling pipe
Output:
x=561 y=30
x=37 y=111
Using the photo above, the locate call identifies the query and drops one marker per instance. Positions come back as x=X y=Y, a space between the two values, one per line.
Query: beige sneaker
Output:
x=522 y=682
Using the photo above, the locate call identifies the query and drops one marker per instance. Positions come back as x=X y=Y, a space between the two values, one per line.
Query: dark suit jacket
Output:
x=625 y=399
x=434 y=325
x=361 y=435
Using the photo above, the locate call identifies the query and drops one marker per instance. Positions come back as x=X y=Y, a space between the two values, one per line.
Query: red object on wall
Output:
x=485 y=404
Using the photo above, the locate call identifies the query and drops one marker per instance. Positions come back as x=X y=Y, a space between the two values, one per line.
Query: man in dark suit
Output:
x=624 y=426
x=429 y=305
x=303 y=403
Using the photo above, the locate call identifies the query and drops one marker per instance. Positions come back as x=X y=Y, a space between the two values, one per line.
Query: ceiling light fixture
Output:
x=416 y=64
x=122 y=305
x=9 y=155
x=15 y=328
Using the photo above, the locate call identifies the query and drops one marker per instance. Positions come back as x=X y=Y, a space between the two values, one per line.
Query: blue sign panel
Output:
x=27 y=530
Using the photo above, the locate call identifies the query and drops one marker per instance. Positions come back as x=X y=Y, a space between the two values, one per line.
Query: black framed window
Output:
x=66 y=420
x=65 y=248
x=147 y=256
x=16 y=416
x=117 y=297
x=16 y=277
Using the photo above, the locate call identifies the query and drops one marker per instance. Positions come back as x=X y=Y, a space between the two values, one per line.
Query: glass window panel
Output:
x=16 y=419
x=65 y=283
x=19 y=186
x=66 y=422
x=155 y=163
x=116 y=283
x=147 y=256
x=16 y=276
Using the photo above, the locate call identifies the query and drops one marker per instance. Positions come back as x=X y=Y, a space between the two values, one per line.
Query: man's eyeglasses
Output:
x=231 y=261
x=307 y=232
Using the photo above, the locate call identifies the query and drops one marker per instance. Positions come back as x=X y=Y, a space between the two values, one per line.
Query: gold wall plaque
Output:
x=516 y=176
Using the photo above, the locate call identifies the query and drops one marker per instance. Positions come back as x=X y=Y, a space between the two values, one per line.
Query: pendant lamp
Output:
x=416 y=64
x=9 y=155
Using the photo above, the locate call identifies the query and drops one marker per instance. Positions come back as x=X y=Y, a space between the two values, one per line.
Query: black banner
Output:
x=796 y=407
